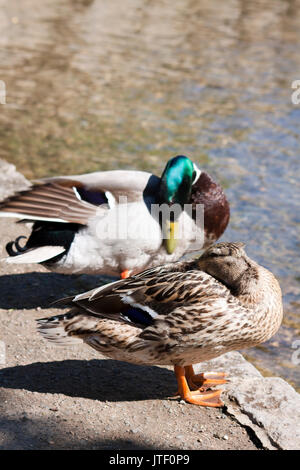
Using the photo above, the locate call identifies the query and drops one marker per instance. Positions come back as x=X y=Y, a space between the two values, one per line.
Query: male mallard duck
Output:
x=178 y=314
x=82 y=225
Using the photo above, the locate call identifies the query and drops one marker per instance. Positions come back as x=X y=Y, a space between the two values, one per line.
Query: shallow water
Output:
x=127 y=84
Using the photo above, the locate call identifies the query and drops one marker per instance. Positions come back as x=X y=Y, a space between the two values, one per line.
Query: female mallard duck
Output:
x=178 y=314
x=82 y=225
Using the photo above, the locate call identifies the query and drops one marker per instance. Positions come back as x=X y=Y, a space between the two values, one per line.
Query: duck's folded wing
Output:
x=76 y=198
x=50 y=202
x=146 y=299
x=115 y=184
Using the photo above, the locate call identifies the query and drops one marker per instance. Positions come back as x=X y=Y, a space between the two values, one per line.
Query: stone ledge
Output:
x=267 y=405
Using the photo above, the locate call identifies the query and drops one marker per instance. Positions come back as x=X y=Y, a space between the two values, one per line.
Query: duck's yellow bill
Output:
x=171 y=236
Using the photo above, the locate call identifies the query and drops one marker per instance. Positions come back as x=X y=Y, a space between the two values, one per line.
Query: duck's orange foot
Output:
x=211 y=398
x=205 y=380
x=125 y=274
x=199 y=397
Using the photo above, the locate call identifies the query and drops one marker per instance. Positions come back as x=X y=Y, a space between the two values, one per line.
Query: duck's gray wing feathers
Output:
x=116 y=183
x=50 y=202
x=75 y=199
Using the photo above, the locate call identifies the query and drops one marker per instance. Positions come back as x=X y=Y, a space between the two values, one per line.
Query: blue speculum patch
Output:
x=94 y=197
x=137 y=315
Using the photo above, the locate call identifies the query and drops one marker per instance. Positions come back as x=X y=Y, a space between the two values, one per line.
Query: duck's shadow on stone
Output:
x=103 y=380
x=32 y=290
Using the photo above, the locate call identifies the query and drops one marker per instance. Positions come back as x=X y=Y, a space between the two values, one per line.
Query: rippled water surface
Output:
x=129 y=83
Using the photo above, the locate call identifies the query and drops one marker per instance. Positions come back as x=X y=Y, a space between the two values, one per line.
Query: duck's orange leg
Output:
x=205 y=380
x=196 y=397
x=125 y=274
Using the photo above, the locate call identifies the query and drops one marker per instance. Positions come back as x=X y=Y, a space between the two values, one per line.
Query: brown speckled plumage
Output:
x=198 y=310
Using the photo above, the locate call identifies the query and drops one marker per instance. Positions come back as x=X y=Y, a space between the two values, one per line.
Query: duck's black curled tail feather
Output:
x=14 y=248
x=47 y=243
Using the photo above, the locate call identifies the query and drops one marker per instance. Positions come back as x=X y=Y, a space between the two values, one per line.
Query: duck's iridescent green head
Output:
x=177 y=179
x=175 y=188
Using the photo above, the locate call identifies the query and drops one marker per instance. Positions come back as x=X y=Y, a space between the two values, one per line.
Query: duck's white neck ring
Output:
x=198 y=173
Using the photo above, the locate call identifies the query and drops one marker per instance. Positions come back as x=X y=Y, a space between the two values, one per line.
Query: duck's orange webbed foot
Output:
x=205 y=398
x=205 y=380
x=125 y=274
